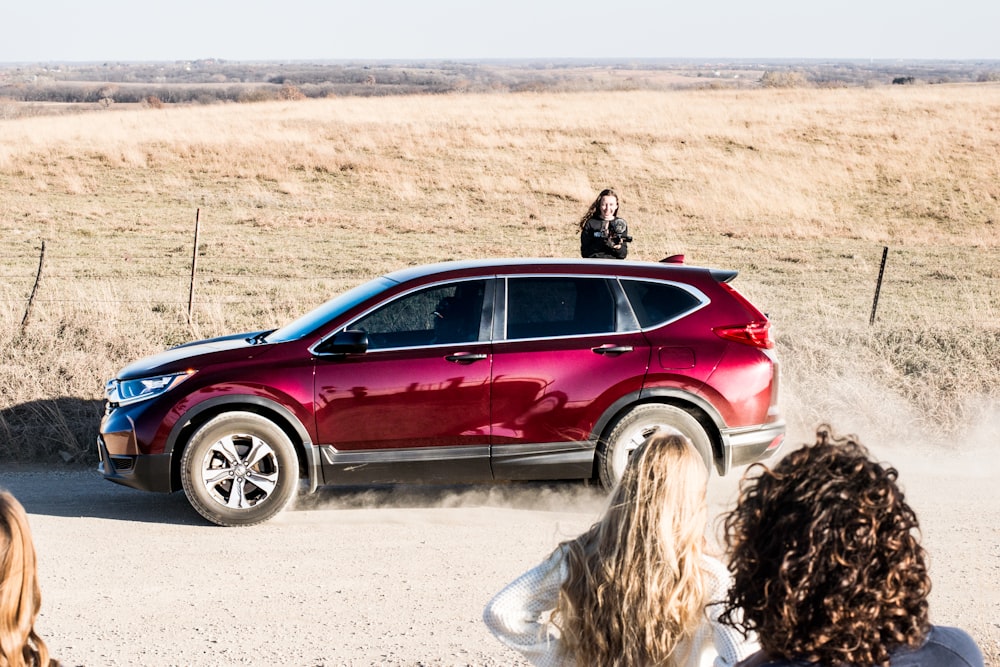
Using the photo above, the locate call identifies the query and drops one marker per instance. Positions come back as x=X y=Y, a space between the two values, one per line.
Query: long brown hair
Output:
x=826 y=562
x=635 y=585
x=20 y=596
x=596 y=206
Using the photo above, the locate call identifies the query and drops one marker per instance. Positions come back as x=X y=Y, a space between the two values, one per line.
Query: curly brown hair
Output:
x=826 y=560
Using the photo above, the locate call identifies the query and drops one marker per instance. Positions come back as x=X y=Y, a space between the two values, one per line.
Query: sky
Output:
x=253 y=30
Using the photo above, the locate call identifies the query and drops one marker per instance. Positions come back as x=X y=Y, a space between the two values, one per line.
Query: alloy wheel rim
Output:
x=240 y=471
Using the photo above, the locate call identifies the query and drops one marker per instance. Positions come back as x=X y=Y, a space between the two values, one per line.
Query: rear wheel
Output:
x=239 y=469
x=633 y=427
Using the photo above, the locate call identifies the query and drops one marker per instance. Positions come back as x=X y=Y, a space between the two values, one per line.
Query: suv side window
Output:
x=656 y=303
x=439 y=315
x=543 y=307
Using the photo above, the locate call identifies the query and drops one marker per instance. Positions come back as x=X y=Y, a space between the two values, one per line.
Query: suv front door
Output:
x=416 y=405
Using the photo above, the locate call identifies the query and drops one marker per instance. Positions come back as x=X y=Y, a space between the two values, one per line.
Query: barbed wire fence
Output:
x=183 y=279
x=174 y=272
x=185 y=276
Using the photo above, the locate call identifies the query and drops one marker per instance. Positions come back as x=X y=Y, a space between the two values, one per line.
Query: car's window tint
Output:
x=437 y=315
x=317 y=317
x=655 y=303
x=540 y=307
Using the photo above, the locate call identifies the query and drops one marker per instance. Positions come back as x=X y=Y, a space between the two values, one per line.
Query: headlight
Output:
x=126 y=392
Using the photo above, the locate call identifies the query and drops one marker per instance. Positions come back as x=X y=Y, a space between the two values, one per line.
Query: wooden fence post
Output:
x=194 y=264
x=878 y=285
x=34 y=289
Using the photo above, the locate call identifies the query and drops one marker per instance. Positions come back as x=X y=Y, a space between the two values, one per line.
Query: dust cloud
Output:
x=893 y=429
x=569 y=496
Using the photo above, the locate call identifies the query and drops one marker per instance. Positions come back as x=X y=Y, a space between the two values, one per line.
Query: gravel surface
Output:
x=386 y=576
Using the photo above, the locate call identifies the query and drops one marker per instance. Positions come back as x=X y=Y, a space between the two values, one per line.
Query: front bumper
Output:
x=146 y=472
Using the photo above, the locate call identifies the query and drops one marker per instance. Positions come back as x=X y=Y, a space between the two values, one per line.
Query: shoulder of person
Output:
x=951 y=646
x=717 y=578
x=759 y=659
x=714 y=567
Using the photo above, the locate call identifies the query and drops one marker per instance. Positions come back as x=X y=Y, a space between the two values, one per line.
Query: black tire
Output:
x=239 y=469
x=633 y=427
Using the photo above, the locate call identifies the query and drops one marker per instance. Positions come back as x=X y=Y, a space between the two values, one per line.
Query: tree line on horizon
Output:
x=212 y=80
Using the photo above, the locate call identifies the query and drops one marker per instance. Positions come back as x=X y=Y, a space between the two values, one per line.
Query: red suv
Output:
x=456 y=372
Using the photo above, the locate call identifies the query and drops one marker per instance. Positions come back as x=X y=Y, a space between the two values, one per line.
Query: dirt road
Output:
x=363 y=577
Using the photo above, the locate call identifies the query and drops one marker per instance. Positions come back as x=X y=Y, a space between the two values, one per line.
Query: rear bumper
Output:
x=751 y=444
x=149 y=472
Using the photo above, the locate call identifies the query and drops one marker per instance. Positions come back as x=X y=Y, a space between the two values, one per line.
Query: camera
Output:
x=615 y=233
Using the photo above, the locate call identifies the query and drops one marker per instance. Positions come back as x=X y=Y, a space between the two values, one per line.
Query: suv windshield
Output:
x=326 y=312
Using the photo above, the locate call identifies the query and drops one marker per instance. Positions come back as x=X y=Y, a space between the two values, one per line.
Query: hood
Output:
x=191 y=355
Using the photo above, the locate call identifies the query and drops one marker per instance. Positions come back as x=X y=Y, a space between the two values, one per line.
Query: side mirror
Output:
x=345 y=342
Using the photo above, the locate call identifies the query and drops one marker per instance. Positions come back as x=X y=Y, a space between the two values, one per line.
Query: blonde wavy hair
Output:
x=20 y=596
x=635 y=586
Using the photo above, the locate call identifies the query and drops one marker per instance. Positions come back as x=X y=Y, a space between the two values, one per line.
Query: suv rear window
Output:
x=657 y=303
x=542 y=307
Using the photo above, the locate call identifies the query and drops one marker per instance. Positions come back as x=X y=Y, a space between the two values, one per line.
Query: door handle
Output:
x=465 y=357
x=611 y=350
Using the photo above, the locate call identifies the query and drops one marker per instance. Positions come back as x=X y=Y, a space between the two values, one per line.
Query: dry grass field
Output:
x=798 y=189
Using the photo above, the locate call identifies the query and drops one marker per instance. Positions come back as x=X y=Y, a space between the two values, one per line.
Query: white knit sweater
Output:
x=518 y=616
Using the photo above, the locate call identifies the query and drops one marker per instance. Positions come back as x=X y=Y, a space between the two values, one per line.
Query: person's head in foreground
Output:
x=635 y=587
x=20 y=596
x=827 y=566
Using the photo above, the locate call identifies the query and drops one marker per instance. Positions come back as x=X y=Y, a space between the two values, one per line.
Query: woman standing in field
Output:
x=20 y=596
x=636 y=589
x=603 y=235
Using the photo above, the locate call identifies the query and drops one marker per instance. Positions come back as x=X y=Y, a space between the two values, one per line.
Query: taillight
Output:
x=755 y=334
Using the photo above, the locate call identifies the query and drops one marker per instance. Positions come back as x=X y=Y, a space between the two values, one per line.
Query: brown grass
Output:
x=798 y=189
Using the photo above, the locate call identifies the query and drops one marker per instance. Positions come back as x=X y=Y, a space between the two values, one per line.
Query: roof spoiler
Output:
x=724 y=275
x=673 y=259
x=721 y=275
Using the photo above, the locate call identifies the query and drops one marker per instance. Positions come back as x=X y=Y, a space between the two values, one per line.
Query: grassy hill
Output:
x=798 y=189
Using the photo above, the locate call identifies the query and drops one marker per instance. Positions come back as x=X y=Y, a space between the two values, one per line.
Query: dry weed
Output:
x=798 y=189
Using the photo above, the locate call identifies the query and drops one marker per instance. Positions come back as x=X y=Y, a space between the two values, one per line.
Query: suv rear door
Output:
x=566 y=348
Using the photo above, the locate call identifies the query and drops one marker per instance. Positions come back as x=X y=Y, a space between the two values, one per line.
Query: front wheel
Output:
x=632 y=429
x=239 y=469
